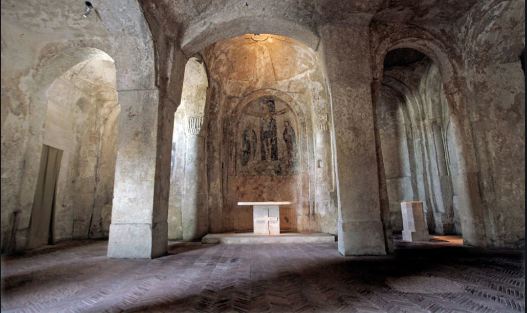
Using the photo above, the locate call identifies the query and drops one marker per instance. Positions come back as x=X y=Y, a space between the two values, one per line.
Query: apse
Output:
x=266 y=138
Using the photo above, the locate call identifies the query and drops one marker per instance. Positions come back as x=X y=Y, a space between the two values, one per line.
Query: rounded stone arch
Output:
x=188 y=180
x=45 y=74
x=453 y=84
x=120 y=32
x=198 y=57
x=49 y=70
x=53 y=68
x=432 y=48
x=44 y=79
x=195 y=79
x=197 y=37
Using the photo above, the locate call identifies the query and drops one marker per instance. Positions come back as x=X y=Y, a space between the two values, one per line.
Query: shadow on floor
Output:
x=355 y=284
x=265 y=278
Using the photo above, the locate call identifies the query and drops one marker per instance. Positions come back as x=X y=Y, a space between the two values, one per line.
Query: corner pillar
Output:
x=140 y=203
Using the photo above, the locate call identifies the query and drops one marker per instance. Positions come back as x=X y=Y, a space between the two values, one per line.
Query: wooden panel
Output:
x=41 y=214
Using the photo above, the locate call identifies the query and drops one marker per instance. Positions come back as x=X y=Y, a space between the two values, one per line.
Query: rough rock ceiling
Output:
x=66 y=15
x=423 y=11
x=312 y=12
x=52 y=16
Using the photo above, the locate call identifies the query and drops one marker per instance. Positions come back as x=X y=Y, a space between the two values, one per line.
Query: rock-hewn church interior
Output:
x=263 y=156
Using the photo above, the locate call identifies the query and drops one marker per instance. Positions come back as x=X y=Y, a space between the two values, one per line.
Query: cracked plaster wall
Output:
x=481 y=39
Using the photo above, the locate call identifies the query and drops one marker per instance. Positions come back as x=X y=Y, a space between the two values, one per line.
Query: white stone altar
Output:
x=266 y=216
x=414 y=224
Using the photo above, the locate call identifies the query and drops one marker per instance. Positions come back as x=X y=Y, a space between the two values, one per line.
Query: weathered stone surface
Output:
x=458 y=146
x=413 y=120
x=188 y=210
x=360 y=228
x=479 y=81
x=39 y=45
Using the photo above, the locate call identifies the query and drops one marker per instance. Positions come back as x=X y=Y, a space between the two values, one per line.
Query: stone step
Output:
x=250 y=238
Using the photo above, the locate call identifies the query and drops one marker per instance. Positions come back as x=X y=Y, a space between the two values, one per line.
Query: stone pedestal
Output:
x=414 y=225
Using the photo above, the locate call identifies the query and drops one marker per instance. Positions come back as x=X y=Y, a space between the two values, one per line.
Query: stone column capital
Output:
x=194 y=124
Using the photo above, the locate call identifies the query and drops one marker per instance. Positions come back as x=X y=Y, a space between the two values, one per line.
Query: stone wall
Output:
x=495 y=100
x=79 y=118
x=484 y=140
x=26 y=82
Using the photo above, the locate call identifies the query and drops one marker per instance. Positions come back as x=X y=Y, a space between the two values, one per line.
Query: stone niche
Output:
x=265 y=160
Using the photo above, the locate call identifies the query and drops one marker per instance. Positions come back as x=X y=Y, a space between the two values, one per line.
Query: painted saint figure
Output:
x=269 y=144
x=290 y=142
x=248 y=146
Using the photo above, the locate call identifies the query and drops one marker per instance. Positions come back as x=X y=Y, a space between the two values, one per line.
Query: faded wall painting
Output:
x=264 y=162
x=261 y=141
x=267 y=140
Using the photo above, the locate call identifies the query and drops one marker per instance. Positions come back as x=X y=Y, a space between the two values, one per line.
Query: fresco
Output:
x=267 y=140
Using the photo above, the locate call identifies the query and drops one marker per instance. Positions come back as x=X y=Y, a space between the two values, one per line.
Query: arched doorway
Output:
x=74 y=189
x=423 y=150
x=413 y=124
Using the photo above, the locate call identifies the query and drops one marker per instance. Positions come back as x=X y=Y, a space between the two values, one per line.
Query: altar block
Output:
x=266 y=217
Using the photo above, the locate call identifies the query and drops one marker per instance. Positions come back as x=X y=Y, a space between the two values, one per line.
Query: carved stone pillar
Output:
x=142 y=173
x=194 y=211
x=138 y=229
x=347 y=54
x=324 y=209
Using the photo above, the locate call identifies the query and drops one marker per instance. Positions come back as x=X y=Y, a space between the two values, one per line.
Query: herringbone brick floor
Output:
x=263 y=278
